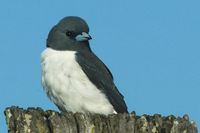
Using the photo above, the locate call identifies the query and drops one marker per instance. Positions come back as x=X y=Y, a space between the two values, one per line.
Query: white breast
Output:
x=68 y=86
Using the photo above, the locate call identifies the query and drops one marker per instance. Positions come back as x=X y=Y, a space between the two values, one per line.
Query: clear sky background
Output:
x=151 y=47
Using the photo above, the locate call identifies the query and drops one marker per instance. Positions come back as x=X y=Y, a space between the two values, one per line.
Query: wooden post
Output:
x=35 y=120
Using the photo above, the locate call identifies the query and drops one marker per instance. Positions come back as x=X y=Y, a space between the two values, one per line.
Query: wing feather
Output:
x=101 y=76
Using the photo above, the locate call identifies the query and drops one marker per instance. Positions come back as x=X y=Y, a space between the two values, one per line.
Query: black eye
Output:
x=69 y=33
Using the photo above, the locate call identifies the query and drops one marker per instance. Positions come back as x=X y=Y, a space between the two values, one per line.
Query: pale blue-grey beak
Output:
x=83 y=37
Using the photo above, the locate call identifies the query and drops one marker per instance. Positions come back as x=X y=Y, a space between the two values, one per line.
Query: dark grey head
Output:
x=71 y=33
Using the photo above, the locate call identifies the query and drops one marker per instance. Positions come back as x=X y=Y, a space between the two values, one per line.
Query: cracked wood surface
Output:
x=35 y=120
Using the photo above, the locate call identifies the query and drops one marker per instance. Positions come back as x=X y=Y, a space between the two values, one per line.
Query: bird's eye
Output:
x=69 y=33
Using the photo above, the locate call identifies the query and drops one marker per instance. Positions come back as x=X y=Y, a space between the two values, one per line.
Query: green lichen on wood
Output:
x=38 y=121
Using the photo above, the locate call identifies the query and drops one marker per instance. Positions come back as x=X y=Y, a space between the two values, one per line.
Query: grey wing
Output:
x=100 y=75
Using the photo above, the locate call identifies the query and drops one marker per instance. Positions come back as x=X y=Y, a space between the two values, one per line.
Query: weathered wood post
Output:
x=35 y=120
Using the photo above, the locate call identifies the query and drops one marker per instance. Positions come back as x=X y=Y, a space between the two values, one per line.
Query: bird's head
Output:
x=71 y=33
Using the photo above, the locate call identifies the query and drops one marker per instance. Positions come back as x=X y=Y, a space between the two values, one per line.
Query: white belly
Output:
x=68 y=86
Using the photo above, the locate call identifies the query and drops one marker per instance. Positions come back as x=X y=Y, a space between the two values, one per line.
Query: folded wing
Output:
x=100 y=76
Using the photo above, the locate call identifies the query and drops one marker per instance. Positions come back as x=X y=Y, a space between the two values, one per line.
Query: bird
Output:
x=73 y=77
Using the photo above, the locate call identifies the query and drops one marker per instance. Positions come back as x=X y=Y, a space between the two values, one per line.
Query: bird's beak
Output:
x=83 y=37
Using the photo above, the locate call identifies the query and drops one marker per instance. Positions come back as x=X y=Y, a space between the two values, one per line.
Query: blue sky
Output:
x=151 y=47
